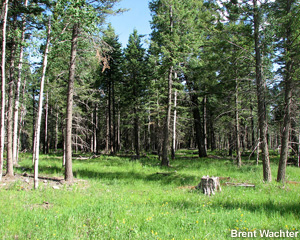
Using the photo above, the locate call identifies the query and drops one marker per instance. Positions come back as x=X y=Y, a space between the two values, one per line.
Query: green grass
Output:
x=122 y=199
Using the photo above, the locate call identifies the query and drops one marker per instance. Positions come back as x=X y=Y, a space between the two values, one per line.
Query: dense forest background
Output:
x=220 y=76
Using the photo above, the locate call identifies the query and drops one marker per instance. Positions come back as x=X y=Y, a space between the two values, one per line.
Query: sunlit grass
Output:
x=124 y=199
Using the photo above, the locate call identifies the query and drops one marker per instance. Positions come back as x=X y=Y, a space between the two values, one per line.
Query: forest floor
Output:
x=116 y=198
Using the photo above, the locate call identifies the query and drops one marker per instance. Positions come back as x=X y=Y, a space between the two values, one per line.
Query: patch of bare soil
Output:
x=25 y=182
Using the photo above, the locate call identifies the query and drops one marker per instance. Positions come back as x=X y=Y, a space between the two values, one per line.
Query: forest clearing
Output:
x=124 y=199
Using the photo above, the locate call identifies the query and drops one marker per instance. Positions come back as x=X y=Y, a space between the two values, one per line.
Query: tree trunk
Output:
x=136 y=129
x=114 y=119
x=111 y=142
x=36 y=151
x=69 y=117
x=205 y=123
x=136 y=132
x=2 y=127
x=21 y=121
x=95 y=130
x=17 y=93
x=260 y=84
x=10 y=169
x=294 y=138
x=165 y=145
x=107 y=129
x=287 y=102
x=46 y=144
x=33 y=119
x=174 y=126
x=237 y=125
x=56 y=132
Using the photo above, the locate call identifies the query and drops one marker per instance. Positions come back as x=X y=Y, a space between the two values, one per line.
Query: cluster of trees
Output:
x=218 y=75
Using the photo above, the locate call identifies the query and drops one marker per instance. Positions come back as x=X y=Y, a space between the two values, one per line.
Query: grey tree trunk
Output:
x=107 y=128
x=46 y=143
x=287 y=101
x=69 y=116
x=260 y=85
x=2 y=127
x=165 y=145
x=36 y=151
x=17 y=93
x=21 y=121
x=56 y=132
x=174 y=126
x=205 y=122
x=237 y=125
x=10 y=169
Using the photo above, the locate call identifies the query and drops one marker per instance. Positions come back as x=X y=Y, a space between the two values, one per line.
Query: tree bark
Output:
x=17 y=93
x=46 y=141
x=2 y=127
x=69 y=116
x=287 y=101
x=136 y=132
x=136 y=129
x=56 y=132
x=165 y=145
x=107 y=129
x=260 y=84
x=205 y=122
x=36 y=151
x=10 y=169
x=198 y=125
x=174 y=126
x=237 y=125
x=95 y=130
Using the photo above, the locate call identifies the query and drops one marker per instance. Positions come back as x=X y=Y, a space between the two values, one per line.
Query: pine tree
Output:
x=135 y=83
x=288 y=35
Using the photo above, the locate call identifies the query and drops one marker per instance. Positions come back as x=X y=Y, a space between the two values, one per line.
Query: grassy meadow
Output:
x=123 y=199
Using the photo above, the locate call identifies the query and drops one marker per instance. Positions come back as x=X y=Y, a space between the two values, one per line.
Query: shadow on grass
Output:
x=130 y=176
x=268 y=207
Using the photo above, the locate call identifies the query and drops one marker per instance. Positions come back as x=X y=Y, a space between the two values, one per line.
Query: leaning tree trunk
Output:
x=2 y=127
x=36 y=151
x=287 y=103
x=69 y=117
x=260 y=84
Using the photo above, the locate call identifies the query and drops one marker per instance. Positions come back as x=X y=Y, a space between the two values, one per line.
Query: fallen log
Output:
x=224 y=178
x=240 y=184
x=56 y=179
x=292 y=182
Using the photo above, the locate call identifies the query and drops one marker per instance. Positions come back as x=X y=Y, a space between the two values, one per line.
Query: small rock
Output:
x=55 y=187
x=45 y=181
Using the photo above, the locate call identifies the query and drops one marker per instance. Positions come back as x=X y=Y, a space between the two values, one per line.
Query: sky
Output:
x=137 y=17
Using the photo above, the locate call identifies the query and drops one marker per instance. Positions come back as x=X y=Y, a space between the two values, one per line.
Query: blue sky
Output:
x=137 y=17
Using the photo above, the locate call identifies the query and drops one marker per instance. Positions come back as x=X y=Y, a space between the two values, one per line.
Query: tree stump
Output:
x=209 y=185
